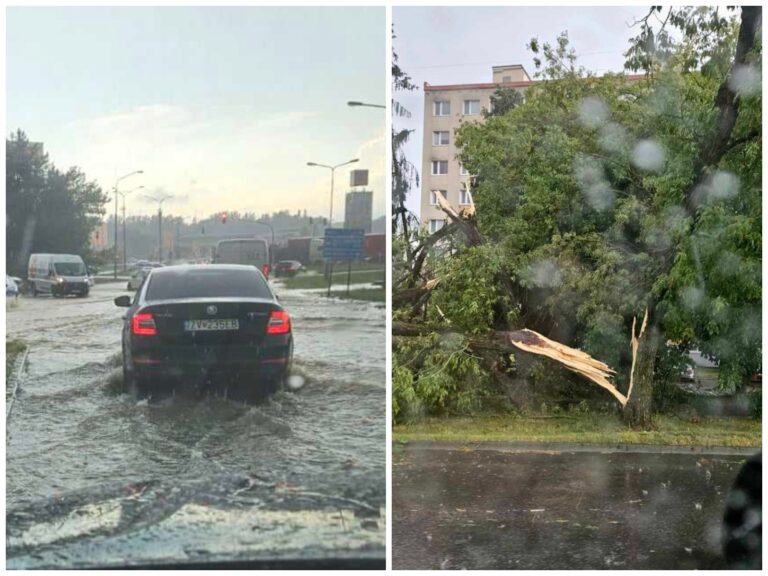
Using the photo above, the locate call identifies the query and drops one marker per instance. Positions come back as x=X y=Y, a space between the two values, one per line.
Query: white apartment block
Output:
x=445 y=108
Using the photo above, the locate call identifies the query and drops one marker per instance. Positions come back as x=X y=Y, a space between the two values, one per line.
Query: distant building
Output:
x=358 y=211
x=99 y=240
x=445 y=108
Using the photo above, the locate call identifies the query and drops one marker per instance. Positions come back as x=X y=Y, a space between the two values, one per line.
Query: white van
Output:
x=57 y=274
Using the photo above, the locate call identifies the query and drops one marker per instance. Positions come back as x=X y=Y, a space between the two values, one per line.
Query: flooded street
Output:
x=501 y=508
x=75 y=441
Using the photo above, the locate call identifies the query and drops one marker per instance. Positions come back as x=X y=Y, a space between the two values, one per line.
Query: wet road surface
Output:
x=75 y=441
x=507 y=509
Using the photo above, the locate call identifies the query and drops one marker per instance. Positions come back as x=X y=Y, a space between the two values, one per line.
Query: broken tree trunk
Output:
x=637 y=412
x=636 y=407
x=464 y=221
x=575 y=360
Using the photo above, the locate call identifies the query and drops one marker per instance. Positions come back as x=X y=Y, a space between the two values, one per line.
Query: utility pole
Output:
x=117 y=182
x=159 y=198
x=125 y=242
x=330 y=220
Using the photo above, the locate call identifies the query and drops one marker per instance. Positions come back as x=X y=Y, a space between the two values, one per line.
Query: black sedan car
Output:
x=201 y=326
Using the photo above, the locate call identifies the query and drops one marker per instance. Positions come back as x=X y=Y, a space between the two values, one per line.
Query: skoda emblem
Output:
x=211 y=310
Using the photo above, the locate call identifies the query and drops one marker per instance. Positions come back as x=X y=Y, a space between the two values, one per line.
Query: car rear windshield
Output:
x=208 y=283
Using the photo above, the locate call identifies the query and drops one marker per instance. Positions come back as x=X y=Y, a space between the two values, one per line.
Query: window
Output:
x=244 y=283
x=464 y=198
x=433 y=196
x=463 y=171
x=440 y=138
x=435 y=225
x=439 y=167
x=506 y=78
x=441 y=108
x=471 y=107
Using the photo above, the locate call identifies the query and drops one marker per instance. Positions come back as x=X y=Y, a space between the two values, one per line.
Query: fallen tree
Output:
x=598 y=204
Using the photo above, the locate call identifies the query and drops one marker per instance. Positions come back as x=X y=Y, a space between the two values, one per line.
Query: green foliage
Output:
x=469 y=295
x=502 y=101
x=405 y=402
x=670 y=363
x=756 y=404
x=435 y=374
x=594 y=204
x=404 y=173
x=47 y=210
x=583 y=187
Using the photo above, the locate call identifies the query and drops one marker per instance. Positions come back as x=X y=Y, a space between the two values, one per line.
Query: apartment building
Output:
x=445 y=108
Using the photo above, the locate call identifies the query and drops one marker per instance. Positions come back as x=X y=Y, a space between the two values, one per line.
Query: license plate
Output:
x=202 y=325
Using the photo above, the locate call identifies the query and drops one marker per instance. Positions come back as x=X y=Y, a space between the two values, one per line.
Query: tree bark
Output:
x=637 y=413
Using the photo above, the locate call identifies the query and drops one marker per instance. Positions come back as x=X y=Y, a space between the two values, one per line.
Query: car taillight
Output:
x=279 y=322
x=144 y=325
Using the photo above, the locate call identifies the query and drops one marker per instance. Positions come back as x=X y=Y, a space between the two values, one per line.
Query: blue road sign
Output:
x=343 y=244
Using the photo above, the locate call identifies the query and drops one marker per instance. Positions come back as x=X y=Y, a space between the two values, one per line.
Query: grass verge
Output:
x=319 y=267
x=584 y=429
x=339 y=278
x=367 y=294
x=13 y=349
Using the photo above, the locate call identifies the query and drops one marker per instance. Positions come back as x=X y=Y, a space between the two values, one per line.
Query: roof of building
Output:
x=492 y=85
x=510 y=67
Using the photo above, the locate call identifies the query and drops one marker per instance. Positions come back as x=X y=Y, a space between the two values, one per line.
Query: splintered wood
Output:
x=575 y=360
x=446 y=207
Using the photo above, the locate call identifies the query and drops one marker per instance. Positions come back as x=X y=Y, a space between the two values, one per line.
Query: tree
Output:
x=48 y=210
x=502 y=101
x=404 y=173
x=598 y=199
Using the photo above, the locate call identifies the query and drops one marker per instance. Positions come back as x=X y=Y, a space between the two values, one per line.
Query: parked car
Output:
x=11 y=287
x=195 y=326
x=688 y=374
x=137 y=278
x=57 y=274
x=287 y=268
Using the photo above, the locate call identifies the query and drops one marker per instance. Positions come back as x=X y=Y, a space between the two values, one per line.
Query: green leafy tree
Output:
x=502 y=101
x=611 y=196
x=404 y=173
x=48 y=210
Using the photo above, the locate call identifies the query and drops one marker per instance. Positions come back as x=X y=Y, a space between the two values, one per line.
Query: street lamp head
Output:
x=354 y=103
x=355 y=160
x=311 y=164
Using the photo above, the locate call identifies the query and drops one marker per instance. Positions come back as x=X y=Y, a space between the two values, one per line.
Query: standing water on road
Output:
x=86 y=462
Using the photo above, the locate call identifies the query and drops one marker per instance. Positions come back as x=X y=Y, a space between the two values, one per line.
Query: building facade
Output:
x=445 y=109
x=99 y=237
x=359 y=210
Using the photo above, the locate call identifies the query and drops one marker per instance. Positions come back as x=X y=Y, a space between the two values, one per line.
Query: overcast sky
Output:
x=222 y=107
x=456 y=45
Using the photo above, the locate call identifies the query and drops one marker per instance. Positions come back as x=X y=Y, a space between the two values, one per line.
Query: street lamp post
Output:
x=159 y=198
x=117 y=182
x=329 y=267
x=125 y=242
x=354 y=103
x=333 y=170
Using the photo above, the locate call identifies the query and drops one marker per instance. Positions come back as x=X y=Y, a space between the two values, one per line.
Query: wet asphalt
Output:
x=463 y=508
x=74 y=435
